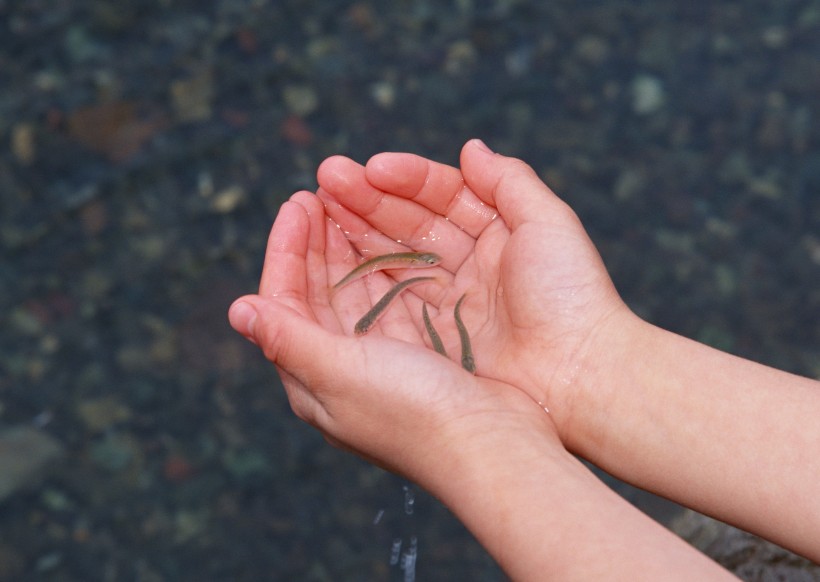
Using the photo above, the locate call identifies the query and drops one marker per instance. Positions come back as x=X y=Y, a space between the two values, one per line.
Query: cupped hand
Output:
x=538 y=296
x=384 y=396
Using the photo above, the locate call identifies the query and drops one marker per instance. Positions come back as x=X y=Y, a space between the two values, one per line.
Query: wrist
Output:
x=507 y=429
x=542 y=515
x=500 y=481
x=596 y=383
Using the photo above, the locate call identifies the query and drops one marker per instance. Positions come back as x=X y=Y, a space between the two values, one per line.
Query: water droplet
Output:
x=409 y=500
x=408 y=560
x=395 y=551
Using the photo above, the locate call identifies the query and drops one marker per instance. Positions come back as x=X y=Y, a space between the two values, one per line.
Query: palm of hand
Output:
x=372 y=386
x=536 y=290
x=553 y=292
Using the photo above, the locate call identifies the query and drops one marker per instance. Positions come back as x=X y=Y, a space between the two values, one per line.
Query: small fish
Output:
x=431 y=331
x=467 y=360
x=389 y=261
x=369 y=318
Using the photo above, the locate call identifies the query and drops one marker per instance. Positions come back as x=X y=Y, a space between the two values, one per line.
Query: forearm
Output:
x=726 y=436
x=544 y=516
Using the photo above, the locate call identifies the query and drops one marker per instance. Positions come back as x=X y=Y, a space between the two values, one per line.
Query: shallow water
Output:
x=150 y=144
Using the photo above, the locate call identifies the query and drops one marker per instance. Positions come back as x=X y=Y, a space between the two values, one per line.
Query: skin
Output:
x=649 y=406
x=549 y=331
x=386 y=399
x=408 y=260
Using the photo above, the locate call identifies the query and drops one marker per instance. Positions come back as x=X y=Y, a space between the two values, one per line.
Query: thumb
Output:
x=242 y=317
x=288 y=338
x=510 y=185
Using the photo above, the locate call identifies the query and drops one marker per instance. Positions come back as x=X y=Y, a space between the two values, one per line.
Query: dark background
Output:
x=147 y=144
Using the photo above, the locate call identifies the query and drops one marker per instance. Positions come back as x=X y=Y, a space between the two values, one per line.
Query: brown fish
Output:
x=409 y=260
x=369 y=318
x=467 y=360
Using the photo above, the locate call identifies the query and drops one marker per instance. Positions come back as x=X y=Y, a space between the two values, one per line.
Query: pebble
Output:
x=245 y=465
x=101 y=414
x=227 y=200
x=190 y=524
x=114 y=452
x=648 y=94
x=192 y=97
x=592 y=49
x=630 y=184
x=22 y=143
x=775 y=37
x=383 y=93
x=24 y=321
x=461 y=57
x=25 y=454
x=766 y=187
x=251 y=100
x=301 y=100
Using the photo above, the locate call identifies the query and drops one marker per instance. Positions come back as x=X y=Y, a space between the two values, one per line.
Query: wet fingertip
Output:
x=378 y=166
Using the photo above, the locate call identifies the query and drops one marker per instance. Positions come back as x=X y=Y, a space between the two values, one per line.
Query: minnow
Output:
x=369 y=318
x=435 y=339
x=409 y=260
x=467 y=360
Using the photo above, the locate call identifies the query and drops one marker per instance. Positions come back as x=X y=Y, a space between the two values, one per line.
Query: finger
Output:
x=302 y=349
x=368 y=241
x=314 y=360
x=438 y=187
x=284 y=270
x=328 y=252
x=405 y=221
x=316 y=258
x=354 y=299
x=511 y=186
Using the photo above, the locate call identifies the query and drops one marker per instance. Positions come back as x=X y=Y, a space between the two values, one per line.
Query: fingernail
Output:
x=482 y=146
x=242 y=317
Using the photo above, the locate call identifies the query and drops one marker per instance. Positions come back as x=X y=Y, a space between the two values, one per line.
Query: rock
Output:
x=648 y=94
x=461 y=57
x=192 y=98
x=748 y=556
x=383 y=93
x=114 y=452
x=22 y=143
x=227 y=200
x=301 y=100
x=592 y=49
x=246 y=465
x=101 y=414
x=630 y=184
x=25 y=452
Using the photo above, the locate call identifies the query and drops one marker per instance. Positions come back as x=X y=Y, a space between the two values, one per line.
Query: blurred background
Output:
x=147 y=144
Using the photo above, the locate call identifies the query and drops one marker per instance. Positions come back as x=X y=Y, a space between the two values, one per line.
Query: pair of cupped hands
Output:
x=540 y=308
